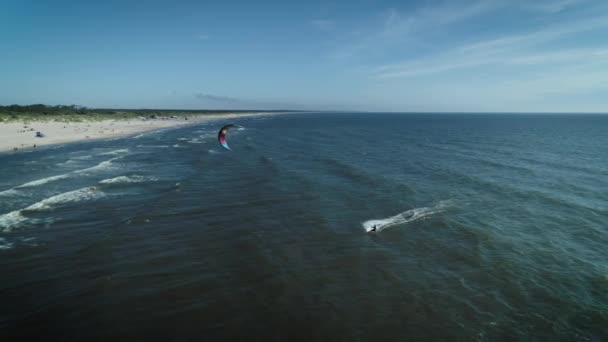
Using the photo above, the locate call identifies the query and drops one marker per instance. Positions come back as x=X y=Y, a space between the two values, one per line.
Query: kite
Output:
x=221 y=136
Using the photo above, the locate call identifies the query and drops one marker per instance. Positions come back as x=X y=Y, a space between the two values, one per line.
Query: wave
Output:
x=405 y=217
x=153 y=146
x=43 y=181
x=79 y=195
x=115 y=152
x=9 y=192
x=68 y=162
x=127 y=180
x=141 y=135
x=104 y=165
x=11 y=220
x=75 y=160
x=15 y=219
x=4 y=244
x=207 y=135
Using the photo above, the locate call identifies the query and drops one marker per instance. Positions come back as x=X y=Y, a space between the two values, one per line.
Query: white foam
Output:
x=115 y=152
x=127 y=179
x=99 y=167
x=75 y=160
x=67 y=197
x=141 y=135
x=9 y=192
x=11 y=220
x=182 y=139
x=70 y=161
x=154 y=146
x=148 y=133
x=44 y=181
x=15 y=219
x=104 y=165
x=4 y=244
x=404 y=217
x=27 y=241
x=212 y=151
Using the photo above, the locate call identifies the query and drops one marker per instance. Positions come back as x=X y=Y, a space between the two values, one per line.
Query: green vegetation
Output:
x=72 y=113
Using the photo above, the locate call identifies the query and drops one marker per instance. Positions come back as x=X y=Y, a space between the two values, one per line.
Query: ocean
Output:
x=488 y=228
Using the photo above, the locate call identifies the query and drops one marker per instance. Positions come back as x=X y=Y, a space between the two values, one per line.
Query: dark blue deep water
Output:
x=492 y=227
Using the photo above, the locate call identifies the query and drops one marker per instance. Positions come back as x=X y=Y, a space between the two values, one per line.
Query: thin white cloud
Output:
x=522 y=49
x=453 y=12
x=211 y=101
x=397 y=27
x=541 y=36
x=549 y=58
x=570 y=88
x=545 y=64
x=551 y=6
x=567 y=89
x=202 y=36
x=323 y=24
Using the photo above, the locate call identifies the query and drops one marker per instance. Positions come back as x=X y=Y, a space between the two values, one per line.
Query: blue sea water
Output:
x=491 y=227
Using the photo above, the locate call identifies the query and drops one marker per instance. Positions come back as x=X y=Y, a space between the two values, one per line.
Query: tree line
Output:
x=42 y=109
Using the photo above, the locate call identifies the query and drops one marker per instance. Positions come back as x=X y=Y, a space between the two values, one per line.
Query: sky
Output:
x=363 y=55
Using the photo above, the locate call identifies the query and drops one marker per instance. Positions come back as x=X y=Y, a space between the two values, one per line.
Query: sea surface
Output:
x=489 y=228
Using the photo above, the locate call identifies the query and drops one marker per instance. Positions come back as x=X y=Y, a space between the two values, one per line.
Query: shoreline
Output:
x=21 y=135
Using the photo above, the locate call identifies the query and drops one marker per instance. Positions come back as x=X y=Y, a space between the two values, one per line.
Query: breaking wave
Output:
x=99 y=167
x=43 y=181
x=141 y=135
x=79 y=195
x=16 y=219
x=9 y=192
x=127 y=179
x=115 y=152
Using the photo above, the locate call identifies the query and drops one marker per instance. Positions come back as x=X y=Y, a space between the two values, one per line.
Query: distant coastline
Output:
x=19 y=125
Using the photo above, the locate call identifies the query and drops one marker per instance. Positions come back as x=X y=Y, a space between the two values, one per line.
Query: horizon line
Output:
x=324 y=110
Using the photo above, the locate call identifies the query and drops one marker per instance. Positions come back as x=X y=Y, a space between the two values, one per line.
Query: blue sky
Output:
x=460 y=55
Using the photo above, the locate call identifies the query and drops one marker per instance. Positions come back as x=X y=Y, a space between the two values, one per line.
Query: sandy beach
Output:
x=19 y=135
